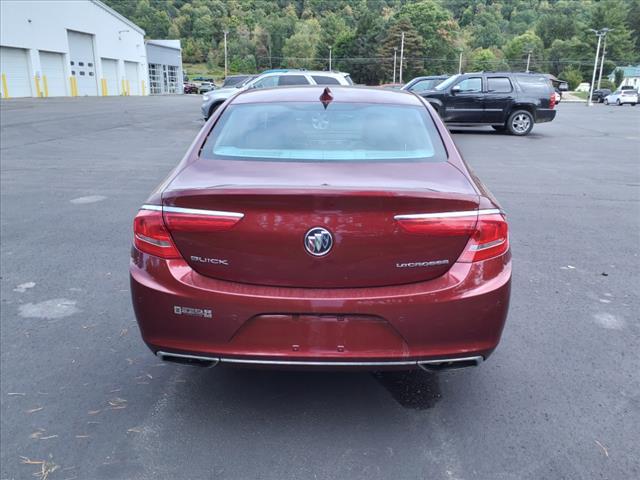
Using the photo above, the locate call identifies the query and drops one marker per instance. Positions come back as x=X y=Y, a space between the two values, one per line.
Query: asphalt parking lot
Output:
x=560 y=398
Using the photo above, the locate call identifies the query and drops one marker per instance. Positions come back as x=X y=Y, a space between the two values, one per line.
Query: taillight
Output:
x=552 y=101
x=488 y=230
x=151 y=236
x=180 y=219
x=490 y=239
x=441 y=226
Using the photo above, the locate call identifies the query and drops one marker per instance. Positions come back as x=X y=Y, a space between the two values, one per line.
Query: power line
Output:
x=433 y=59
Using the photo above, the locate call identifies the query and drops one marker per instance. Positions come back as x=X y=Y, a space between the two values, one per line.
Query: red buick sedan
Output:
x=322 y=228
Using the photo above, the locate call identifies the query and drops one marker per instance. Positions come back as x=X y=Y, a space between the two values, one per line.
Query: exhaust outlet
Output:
x=449 y=363
x=193 y=360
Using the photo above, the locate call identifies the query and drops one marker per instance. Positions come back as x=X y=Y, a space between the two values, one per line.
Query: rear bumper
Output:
x=545 y=115
x=458 y=316
x=433 y=364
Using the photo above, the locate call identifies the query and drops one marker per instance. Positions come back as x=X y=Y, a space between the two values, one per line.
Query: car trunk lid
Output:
x=270 y=234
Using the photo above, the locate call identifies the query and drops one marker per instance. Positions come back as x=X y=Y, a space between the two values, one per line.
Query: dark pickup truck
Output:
x=506 y=101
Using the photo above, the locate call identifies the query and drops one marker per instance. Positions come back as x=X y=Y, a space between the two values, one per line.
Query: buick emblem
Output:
x=318 y=241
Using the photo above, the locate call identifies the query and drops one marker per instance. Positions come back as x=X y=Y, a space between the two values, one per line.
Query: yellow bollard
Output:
x=5 y=90
x=143 y=92
x=104 y=87
x=46 y=86
x=128 y=88
x=74 y=86
x=38 y=92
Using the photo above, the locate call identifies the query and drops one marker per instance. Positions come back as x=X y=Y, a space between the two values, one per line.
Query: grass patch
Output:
x=582 y=95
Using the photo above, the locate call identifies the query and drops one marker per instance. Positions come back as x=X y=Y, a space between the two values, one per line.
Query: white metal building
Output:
x=165 y=66
x=69 y=48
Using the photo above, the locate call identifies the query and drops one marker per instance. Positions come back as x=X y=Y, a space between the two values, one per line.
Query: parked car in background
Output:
x=421 y=84
x=504 y=100
x=322 y=227
x=273 y=78
x=391 y=86
x=206 y=87
x=190 y=87
x=620 y=97
x=199 y=80
x=558 y=96
x=233 y=80
x=599 y=95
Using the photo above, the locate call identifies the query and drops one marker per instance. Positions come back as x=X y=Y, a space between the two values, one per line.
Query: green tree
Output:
x=356 y=51
x=633 y=23
x=333 y=27
x=559 y=24
x=517 y=49
x=300 y=48
x=413 y=64
x=359 y=32
x=485 y=59
x=488 y=28
x=613 y=14
x=439 y=33
x=564 y=53
x=573 y=76
x=618 y=76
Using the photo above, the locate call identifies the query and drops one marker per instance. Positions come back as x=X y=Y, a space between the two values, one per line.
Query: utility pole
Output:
x=604 y=52
x=226 y=32
x=460 y=63
x=600 y=34
x=401 y=54
x=395 y=52
x=528 y=60
x=329 y=58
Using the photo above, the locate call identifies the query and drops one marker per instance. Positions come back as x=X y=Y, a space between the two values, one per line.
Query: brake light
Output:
x=441 y=226
x=151 y=236
x=490 y=239
x=552 y=100
x=190 y=220
x=487 y=229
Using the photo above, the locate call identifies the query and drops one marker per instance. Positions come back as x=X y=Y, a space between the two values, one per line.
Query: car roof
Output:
x=340 y=93
x=429 y=77
x=303 y=72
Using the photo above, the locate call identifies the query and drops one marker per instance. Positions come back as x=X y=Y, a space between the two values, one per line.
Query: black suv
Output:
x=598 y=95
x=506 y=101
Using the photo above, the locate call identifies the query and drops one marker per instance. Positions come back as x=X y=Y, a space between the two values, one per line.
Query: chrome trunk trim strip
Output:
x=414 y=216
x=192 y=211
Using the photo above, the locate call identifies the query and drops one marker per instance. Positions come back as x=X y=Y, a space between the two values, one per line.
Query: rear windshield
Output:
x=343 y=132
x=324 y=80
x=532 y=82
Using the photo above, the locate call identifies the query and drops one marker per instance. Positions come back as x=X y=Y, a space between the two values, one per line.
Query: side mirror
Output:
x=455 y=89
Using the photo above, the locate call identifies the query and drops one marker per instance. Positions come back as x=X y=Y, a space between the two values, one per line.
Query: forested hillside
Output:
x=491 y=34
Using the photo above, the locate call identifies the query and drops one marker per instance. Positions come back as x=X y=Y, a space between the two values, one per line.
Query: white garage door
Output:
x=131 y=72
x=82 y=62
x=110 y=74
x=52 y=66
x=15 y=72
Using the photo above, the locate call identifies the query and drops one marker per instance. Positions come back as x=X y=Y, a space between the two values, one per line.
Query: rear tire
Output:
x=606 y=102
x=520 y=123
x=618 y=103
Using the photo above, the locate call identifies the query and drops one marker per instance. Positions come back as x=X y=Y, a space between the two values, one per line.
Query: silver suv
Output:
x=273 y=78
